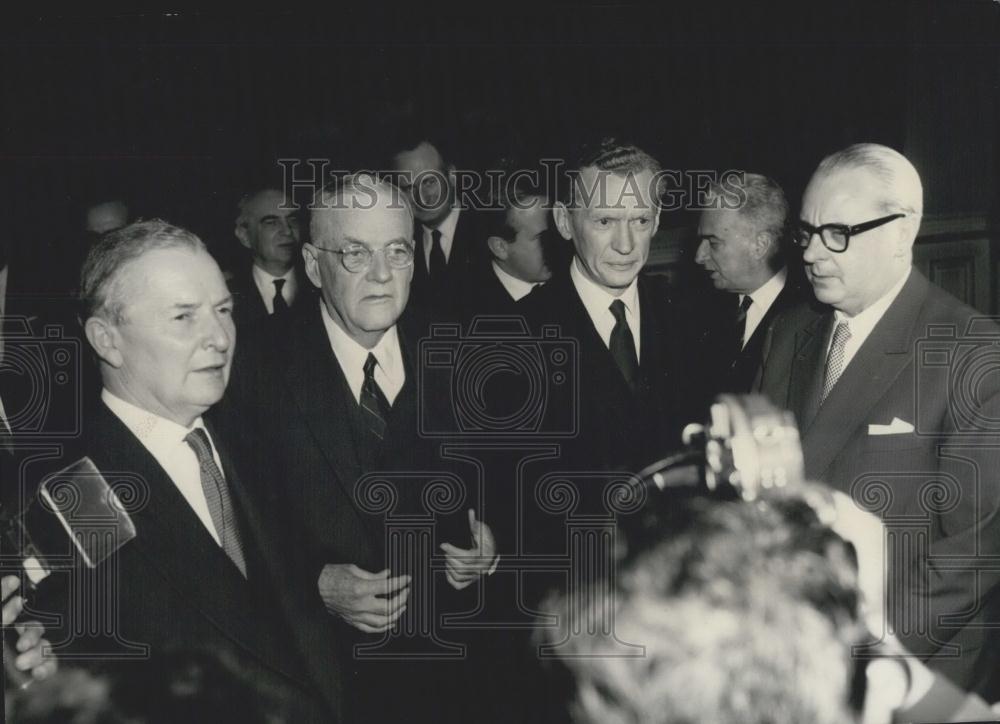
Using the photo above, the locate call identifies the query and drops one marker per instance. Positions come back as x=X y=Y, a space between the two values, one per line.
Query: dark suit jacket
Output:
x=250 y=312
x=177 y=589
x=307 y=404
x=727 y=371
x=481 y=293
x=257 y=334
x=315 y=463
x=617 y=430
x=933 y=481
x=438 y=297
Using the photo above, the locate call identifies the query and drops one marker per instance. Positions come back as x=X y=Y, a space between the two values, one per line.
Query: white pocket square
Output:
x=896 y=427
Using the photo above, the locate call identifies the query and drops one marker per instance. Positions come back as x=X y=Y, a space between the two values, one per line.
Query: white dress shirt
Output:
x=447 y=229
x=265 y=285
x=762 y=299
x=164 y=439
x=516 y=288
x=390 y=374
x=597 y=301
x=862 y=323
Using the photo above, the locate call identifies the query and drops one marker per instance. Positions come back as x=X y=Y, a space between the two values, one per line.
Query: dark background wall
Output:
x=181 y=110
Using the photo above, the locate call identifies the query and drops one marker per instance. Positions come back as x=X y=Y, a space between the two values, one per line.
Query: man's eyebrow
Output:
x=269 y=217
x=228 y=299
x=707 y=236
x=352 y=240
x=184 y=305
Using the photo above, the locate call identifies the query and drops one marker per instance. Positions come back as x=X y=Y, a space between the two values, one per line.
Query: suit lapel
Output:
x=172 y=540
x=419 y=262
x=652 y=311
x=318 y=386
x=805 y=381
x=598 y=358
x=875 y=367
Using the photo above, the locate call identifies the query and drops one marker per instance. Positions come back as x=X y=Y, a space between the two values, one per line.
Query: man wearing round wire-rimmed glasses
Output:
x=342 y=411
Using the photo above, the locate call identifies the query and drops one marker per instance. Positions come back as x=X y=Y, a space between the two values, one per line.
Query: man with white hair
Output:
x=878 y=380
x=343 y=406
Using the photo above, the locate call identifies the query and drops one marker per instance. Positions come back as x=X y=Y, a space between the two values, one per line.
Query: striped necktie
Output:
x=220 y=507
x=374 y=405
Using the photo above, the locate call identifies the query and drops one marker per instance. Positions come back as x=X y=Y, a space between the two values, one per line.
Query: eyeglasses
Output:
x=836 y=237
x=358 y=257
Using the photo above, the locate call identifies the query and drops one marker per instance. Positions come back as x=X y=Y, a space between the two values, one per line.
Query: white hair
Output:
x=903 y=191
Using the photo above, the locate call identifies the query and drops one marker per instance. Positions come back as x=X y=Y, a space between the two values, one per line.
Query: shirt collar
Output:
x=447 y=227
x=516 y=288
x=265 y=282
x=596 y=298
x=352 y=356
x=157 y=434
x=864 y=321
x=765 y=295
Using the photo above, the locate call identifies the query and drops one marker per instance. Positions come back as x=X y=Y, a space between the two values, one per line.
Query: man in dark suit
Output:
x=443 y=230
x=630 y=399
x=201 y=571
x=741 y=237
x=513 y=259
x=272 y=284
x=344 y=405
x=877 y=378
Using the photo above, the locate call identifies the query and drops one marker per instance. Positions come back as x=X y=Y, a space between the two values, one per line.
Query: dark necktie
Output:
x=622 y=345
x=374 y=405
x=740 y=326
x=220 y=507
x=438 y=263
x=835 y=360
x=280 y=305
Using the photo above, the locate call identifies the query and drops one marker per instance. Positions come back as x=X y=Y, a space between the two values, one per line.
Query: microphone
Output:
x=75 y=503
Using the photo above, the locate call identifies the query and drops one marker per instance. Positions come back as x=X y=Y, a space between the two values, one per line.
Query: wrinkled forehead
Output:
x=601 y=190
x=266 y=203
x=171 y=275
x=843 y=192
x=725 y=224
x=355 y=217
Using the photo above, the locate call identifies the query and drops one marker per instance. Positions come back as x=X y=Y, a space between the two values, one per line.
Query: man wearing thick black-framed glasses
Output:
x=876 y=380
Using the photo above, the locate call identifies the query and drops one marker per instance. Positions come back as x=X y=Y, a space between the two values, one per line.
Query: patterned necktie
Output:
x=280 y=305
x=438 y=263
x=220 y=507
x=622 y=345
x=740 y=327
x=835 y=360
x=374 y=406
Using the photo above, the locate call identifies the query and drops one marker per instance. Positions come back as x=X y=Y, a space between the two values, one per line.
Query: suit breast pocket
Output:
x=902 y=443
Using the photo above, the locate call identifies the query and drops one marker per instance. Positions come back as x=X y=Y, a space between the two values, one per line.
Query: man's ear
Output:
x=560 y=214
x=241 y=233
x=103 y=337
x=311 y=259
x=498 y=247
x=908 y=227
x=761 y=244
